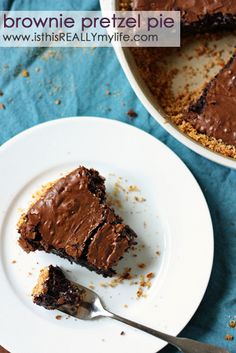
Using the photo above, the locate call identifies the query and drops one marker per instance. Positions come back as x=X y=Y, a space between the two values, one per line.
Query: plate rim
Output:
x=116 y=122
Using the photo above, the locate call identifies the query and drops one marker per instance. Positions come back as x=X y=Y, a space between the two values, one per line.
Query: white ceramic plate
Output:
x=174 y=221
x=127 y=62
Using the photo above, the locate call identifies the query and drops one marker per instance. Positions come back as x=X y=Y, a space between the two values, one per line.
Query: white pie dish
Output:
x=149 y=102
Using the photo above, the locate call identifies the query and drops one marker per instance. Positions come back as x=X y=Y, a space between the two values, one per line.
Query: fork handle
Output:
x=185 y=345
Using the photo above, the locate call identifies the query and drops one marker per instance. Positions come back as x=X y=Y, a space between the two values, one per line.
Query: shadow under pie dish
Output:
x=71 y=219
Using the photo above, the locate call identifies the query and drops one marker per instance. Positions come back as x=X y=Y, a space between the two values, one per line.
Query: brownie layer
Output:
x=54 y=289
x=69 y=218
x=109 y=243
x=196 y=15
x=215 y=111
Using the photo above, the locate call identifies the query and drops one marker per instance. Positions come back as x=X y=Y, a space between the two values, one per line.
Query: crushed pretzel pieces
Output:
x=229 y=337
x=25 y=73
x=232 y=324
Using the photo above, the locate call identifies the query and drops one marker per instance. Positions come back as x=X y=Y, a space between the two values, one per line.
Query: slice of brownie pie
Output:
x=214 y=113
x=53 y=289
x=71 y=219
x=196 y=15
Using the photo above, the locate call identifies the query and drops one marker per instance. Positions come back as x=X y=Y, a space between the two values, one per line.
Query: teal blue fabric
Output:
x=80 y=79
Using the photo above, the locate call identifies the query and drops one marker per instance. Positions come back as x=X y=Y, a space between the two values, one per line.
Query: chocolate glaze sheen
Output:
x=67 y=214
x=109 y=243
x=192 y=10
x=215 y=112
x=73 y=221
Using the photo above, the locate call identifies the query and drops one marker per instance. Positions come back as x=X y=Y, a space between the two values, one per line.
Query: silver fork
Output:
x=91 y=307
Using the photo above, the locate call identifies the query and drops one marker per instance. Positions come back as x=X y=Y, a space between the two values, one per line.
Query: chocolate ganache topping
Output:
x=192 y=10
x=215 y=112
x=73 y=220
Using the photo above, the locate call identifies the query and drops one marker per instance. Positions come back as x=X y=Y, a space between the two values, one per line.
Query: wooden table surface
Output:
x=2 y=350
